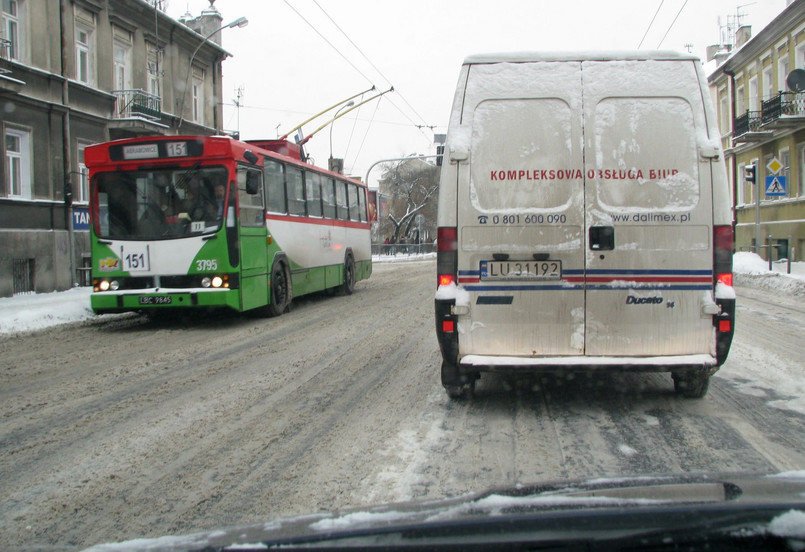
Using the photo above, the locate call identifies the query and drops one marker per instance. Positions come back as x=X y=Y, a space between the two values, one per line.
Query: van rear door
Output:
x=585 y=219
x=648 y=206
x=521 y=210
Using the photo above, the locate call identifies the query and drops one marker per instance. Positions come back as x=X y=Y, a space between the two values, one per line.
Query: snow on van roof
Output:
x=613 y=55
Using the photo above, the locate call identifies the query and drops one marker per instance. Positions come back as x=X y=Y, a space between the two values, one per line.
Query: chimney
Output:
x=743 y=35
x=206 y=23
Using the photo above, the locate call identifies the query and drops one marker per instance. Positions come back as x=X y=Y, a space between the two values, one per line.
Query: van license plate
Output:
x=521 y=270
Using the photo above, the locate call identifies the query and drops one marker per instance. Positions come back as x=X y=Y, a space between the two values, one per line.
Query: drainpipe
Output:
x=68 y=203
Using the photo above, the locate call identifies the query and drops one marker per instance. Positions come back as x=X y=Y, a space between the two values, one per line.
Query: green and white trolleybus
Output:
x=210 y=222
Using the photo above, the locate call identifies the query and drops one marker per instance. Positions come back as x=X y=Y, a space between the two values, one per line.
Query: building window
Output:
x=782 y=72
x=81 y=193
x=799 y=60
x=754 y=105
x=12 y=12
x=768 y=84
x=197 y=89
x=742 y=186
x=801 y=171
x=18 y=163
x=724 y=115
x=122 y=66
x=740 y=101
x=785 y=161
x=84 y=55
x=154 y=70
x=24 y=276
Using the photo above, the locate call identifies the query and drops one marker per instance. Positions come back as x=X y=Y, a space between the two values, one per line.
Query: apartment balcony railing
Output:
x=5 y=56
x=746 y=123
x=784 y=110
x=137 y=103
x=784 y=105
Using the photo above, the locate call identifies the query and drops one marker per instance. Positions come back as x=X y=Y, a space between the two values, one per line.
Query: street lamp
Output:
x=240 y=22
x=350 y=104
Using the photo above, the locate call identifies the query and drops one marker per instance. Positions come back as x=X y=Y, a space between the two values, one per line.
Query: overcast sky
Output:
x=298 y=57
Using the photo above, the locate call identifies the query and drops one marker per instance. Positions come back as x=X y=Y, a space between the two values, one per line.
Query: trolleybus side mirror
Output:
x=252 y=182
x=251 y=157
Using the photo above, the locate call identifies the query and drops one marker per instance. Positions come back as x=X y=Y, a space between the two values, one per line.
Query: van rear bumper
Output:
x=586 y=363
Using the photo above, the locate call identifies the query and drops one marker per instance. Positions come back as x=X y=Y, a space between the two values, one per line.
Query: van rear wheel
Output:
x=692 y=384
x=457 y=386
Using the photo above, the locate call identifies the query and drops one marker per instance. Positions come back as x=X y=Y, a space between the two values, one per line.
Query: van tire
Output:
x=456 y=386
x=692 y=384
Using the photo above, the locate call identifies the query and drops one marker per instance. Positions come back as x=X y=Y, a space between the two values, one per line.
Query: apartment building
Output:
x=758 y=89
x=78 y=72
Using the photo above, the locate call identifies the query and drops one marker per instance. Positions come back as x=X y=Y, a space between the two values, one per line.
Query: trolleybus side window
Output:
x=275 y=186
x=341 y=200
x=353 y=202
x=250 y=197
x=296 y=191
x=362 y=203
x=313 y=194
x=328 y=196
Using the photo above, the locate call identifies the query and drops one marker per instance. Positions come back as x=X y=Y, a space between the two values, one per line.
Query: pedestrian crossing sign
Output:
x=776 y=186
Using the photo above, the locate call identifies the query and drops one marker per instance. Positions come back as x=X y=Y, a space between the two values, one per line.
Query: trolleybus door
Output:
x=251 y=230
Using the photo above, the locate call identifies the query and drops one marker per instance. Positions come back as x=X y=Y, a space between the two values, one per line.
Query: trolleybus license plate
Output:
x=156 y=300
x=521 y=270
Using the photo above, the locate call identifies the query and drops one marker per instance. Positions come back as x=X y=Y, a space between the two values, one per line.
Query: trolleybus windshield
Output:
x=160 y=203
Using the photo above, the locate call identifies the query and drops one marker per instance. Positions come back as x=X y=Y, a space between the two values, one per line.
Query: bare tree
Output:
x=411 y=187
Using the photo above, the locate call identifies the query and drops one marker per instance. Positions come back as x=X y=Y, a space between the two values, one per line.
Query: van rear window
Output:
x=645 y=154
x=524 y=155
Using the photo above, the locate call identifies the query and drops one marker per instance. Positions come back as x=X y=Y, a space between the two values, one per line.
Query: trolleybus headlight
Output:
x=103 y=285
x=217 y=282
x=206 y=281
x=114 y=285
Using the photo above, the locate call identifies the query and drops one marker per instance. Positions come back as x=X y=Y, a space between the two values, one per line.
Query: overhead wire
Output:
x=650 y=24
x=672 y=23
x=328 y=42
x=402 y=97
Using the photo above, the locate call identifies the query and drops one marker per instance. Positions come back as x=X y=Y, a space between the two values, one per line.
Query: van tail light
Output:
x=723 y=246
x=724 y=243
x=446 y=255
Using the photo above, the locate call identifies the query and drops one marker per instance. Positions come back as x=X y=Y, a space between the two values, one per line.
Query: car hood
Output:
x=598 y=508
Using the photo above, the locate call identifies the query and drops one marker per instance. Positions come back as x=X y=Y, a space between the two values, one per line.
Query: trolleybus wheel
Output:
x=349 y=277
x=279 y=291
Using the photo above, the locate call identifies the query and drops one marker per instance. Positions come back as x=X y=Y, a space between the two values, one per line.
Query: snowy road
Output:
x=120 y=428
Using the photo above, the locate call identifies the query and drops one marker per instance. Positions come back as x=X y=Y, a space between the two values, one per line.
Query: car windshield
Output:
x=160 y=203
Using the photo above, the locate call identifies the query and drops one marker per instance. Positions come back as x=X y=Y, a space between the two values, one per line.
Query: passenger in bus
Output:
x=199 y=203
x=153 y=222
x=220 y=196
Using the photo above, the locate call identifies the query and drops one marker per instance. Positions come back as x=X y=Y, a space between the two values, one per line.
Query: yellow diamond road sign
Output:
x=774 y=166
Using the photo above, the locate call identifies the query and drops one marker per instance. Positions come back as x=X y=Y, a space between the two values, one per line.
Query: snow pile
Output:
x=36 y=311
x=752 y=271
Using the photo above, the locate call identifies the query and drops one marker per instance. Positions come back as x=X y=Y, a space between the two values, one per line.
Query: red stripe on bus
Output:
x=320 y=221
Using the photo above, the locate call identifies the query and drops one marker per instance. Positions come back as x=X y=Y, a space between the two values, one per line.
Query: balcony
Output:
x=137 y=104
x=785 y=110
x=747 y=128
x=5 y=56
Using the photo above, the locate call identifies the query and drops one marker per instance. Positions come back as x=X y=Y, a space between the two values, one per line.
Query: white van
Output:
x=585 y=219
